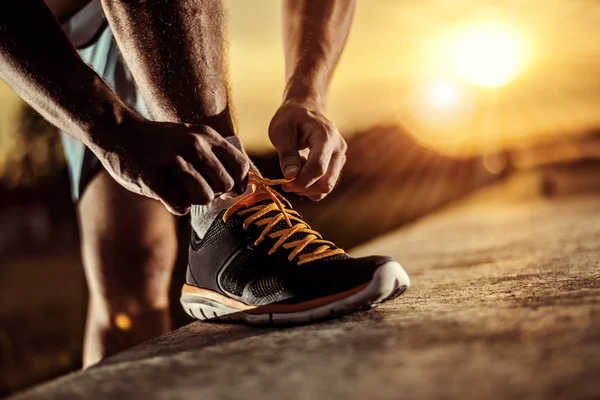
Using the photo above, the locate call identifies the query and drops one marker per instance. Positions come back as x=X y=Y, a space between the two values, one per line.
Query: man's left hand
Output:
x=299 y=126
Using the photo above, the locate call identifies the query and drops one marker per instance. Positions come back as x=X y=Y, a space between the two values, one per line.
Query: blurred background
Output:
x=435 y=98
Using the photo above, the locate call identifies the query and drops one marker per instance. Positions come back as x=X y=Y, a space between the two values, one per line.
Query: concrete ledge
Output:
x=505 y=304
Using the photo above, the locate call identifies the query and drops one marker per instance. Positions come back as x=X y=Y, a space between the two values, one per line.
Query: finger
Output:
x=328 y=181
x=175 y=210
x=214 y=174
x=316 y=166
x=287 y=187
x=285 y=139
x=172 y=194
x=198 y=190
x=193 y=180
x=236 y=164
x=317 y=197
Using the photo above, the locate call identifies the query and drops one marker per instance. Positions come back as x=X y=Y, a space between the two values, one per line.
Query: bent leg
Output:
x=175 y=51
x=129 y=248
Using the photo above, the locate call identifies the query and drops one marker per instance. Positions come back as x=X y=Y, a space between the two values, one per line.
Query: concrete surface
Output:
x=505 y=303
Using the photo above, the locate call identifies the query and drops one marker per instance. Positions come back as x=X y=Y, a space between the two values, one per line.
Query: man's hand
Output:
x=178 y=164
x=298 y=126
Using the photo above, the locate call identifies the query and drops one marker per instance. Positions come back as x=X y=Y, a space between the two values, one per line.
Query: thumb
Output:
x=290 y=160
x=290 y=164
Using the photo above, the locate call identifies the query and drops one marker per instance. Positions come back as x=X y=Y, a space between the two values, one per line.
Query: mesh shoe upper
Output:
x=261 y=258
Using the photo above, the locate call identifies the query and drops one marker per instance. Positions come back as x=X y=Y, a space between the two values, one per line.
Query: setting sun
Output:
x=487 y=55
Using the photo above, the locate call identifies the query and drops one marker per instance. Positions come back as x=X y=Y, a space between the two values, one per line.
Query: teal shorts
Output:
x=91 y=35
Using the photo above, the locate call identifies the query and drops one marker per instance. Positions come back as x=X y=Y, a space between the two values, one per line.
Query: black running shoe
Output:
x=259 y=262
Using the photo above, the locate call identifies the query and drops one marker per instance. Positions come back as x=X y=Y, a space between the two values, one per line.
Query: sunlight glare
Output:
x=488 y=54
x=443 y=94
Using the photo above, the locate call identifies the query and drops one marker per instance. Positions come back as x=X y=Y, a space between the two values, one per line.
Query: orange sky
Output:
x=388 y=56
x=388 y=59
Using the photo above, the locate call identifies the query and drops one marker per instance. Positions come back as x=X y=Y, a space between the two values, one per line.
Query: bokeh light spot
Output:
x=123 y=321
x=495 y=163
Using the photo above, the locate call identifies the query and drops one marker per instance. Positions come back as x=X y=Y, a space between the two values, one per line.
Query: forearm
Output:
x=315 y=32
x=42 y=67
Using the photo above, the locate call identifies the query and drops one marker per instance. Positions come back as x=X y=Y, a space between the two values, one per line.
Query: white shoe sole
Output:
x=389 y=281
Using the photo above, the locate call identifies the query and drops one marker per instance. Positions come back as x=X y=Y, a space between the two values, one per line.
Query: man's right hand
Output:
x=178 y=164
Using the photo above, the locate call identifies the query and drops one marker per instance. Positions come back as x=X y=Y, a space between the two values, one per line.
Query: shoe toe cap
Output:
x=334 y=276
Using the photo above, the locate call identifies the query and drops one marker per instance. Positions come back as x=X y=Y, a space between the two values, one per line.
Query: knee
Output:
x=129 y=248
x=130 y=274
x=143 y=258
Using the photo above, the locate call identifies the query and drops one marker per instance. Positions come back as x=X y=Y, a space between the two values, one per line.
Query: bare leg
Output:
x=175 y=51
x=129 y=248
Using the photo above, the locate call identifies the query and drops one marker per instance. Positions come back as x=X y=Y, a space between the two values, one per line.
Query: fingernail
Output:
x=291 y=171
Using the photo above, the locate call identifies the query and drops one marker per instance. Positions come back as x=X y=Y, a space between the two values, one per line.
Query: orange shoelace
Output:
x=262 y=191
